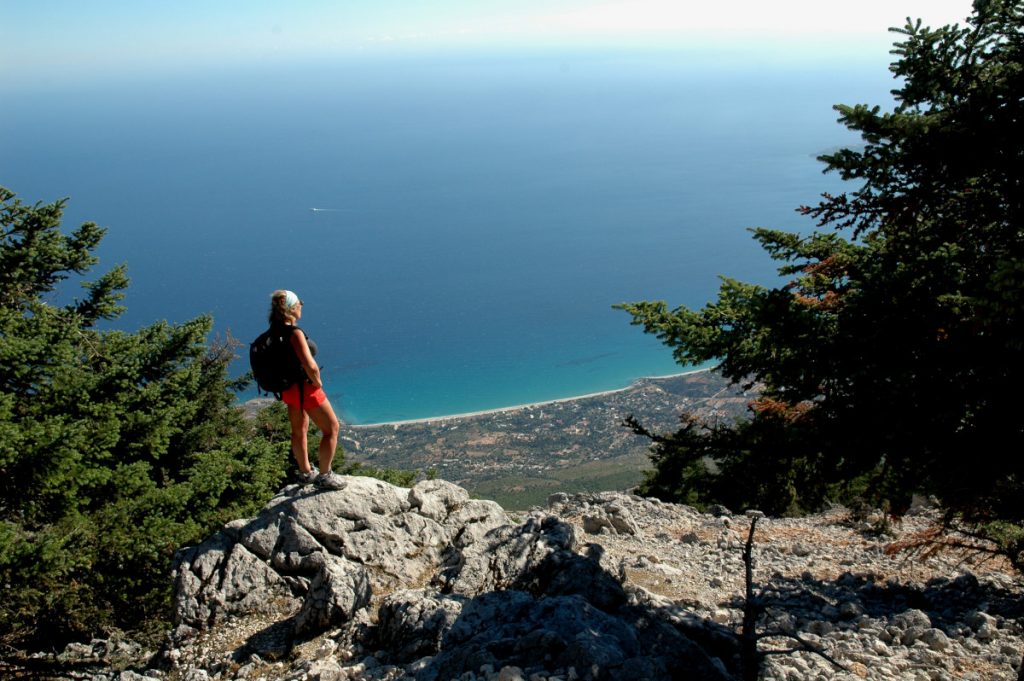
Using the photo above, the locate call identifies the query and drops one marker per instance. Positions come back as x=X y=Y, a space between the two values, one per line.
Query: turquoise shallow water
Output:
x=477 y=217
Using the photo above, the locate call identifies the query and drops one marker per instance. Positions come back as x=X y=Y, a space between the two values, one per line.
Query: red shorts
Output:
x=312 y=399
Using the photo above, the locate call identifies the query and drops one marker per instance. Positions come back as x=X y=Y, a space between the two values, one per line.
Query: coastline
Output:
x=521 y=407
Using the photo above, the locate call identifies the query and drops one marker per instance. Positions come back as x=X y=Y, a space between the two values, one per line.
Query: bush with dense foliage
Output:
x=891 y=359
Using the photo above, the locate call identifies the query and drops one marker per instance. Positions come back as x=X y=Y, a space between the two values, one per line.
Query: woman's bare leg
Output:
x=323 y=416
x=300 y=448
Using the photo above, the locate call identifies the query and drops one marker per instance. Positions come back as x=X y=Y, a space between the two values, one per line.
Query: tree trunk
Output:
x=751 y=608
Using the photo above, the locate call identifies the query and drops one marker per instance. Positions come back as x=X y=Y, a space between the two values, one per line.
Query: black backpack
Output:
x=275 y=366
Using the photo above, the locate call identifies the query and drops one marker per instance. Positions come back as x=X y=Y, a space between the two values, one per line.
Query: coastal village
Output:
x=519 y=455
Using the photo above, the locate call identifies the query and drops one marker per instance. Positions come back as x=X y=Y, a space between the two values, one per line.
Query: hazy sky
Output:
x=54 y=38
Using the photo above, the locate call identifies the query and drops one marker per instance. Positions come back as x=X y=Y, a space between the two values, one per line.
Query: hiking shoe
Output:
x=306 y=478
x=330 y=480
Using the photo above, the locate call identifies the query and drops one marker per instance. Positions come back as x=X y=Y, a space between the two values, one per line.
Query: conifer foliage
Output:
x=891 y=359
x=116 y=448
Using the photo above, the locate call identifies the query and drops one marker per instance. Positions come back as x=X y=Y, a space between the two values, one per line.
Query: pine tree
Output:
x=116 y=448
x=891 y=357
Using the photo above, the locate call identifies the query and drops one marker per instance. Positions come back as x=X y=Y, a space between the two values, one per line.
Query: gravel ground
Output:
x=829 y=579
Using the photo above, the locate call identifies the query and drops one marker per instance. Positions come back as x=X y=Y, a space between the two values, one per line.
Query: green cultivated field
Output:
x=517 y=493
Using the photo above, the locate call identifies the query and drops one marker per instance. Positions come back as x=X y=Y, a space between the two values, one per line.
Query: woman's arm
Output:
x=301 y=347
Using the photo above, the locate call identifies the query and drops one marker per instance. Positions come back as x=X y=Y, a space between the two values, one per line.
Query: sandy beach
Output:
x=520 y=407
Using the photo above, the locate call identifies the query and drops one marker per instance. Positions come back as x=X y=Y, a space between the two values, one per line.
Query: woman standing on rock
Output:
x=312 y=402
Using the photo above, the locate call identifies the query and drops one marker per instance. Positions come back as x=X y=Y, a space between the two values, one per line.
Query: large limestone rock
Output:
x=523 y=597
x=318 y=556
x=446 y=585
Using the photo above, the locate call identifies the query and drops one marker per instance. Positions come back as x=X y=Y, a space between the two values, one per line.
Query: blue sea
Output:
x=458 y=226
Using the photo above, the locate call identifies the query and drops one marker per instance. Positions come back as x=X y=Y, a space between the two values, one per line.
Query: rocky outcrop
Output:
x=446 y=584
x=522 y=597
x=318 y=557
x=381 y=583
